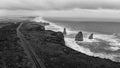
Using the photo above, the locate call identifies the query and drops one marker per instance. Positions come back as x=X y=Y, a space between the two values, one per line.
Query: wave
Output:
x=72 y=44
x=113 y=42
x=53 y=26
x=111 y=39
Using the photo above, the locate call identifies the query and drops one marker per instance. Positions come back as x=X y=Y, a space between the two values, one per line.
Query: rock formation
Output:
x=91 y=36
x=55 y=37
x=64 y=31
x=49 y=47
x=79 y=37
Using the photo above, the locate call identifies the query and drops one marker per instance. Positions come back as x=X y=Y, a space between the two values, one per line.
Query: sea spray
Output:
x=53 y=26
x=113 y=40
x=70 y=42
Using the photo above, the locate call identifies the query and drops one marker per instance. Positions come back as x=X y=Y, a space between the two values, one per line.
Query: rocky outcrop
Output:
x=91 y=36
x=48 y=47
x=79 y=37
x=45 y=35
x=64 y=31
x=55 y=37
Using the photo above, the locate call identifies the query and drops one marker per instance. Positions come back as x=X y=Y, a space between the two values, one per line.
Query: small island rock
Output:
x=79 y=37
x=91 y=36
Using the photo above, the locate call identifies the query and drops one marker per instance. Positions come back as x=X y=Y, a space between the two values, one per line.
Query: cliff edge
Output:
x=50 y=47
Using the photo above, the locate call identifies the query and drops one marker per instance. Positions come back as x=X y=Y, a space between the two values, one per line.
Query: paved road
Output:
x=37 y=63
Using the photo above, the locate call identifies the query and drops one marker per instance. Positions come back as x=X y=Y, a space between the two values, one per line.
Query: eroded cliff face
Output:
x=42 y=34
x=50 y=47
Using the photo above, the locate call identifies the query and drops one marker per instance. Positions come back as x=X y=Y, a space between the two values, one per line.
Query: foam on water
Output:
x=113 y=41
x=53 y=26
x=72 y=44
x=112 y=48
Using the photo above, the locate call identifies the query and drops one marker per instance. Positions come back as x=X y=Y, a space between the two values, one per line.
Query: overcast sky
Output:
x=72 y=8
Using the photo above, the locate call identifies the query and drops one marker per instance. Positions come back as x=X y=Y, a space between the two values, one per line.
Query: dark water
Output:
x=104 y=45
x=91 y=26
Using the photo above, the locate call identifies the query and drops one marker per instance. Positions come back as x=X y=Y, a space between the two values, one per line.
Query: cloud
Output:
x=58 y=4
x=77 y=13
x=84 y=13
x=61 y=8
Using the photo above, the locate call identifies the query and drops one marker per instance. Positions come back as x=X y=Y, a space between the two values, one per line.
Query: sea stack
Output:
x=79 y=36
x=91 y=36
x=64 y=31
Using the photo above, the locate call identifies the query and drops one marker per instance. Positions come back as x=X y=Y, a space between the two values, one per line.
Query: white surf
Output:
x=111 y=40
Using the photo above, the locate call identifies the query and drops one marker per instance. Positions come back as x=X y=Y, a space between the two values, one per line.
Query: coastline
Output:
x=51 y=48
x=69 y=38
x=55 y=54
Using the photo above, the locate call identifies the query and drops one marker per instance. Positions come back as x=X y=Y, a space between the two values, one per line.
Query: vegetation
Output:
x=50 y=47
x=12 y=55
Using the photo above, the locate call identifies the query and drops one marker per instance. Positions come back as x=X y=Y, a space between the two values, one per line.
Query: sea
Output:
x=106 y=35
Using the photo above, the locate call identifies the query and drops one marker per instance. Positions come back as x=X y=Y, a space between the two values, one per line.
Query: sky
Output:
x=61 y=8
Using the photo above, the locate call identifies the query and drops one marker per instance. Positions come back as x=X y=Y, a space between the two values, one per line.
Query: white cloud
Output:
x=84 y=13
x=58 y=4
x=61 y=8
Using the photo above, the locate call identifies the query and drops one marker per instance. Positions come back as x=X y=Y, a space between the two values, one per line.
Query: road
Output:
x=37 y=63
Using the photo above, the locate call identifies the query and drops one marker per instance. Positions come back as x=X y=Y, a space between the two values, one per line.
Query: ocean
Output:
x=106 y=42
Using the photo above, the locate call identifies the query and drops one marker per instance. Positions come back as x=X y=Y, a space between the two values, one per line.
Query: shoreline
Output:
x=84 y=50
x=55 y=54
x=50 y=47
